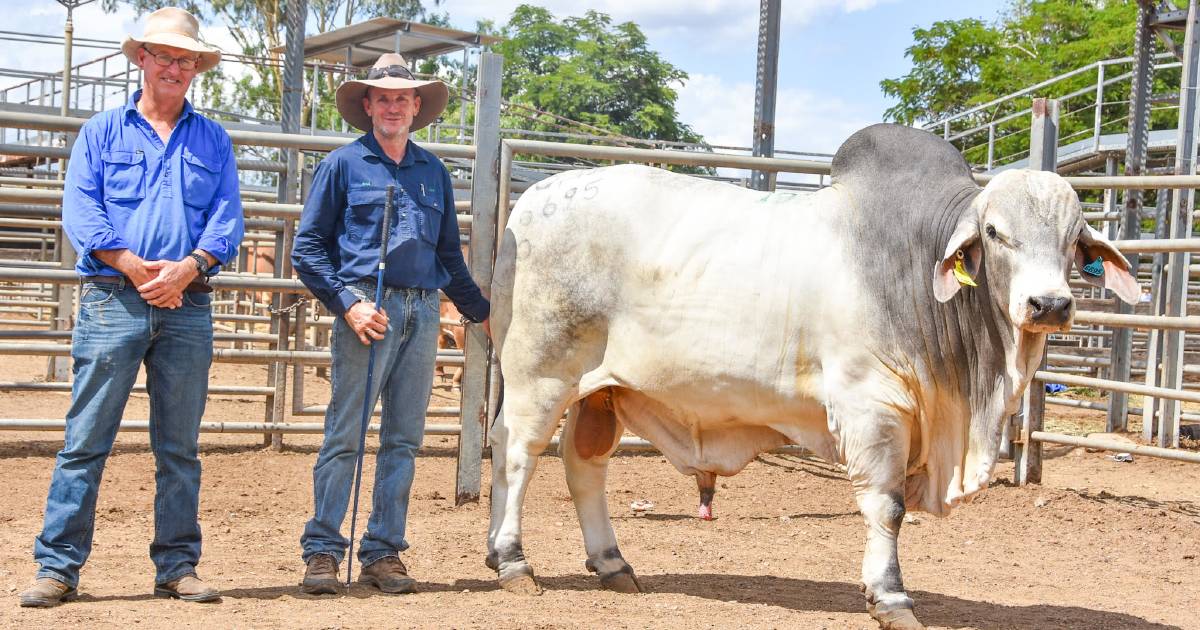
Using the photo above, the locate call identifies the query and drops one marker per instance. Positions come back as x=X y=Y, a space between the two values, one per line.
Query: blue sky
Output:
x=833 y=53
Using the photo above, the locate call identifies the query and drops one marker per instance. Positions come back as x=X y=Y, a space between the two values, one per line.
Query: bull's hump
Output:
x=894 y=153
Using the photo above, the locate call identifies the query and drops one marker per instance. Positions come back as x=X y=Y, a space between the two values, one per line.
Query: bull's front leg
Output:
x=876 y=459
x=881 y=582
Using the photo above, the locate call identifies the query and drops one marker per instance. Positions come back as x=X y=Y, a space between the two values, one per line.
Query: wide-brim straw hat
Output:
x=176 y=28
x=391 y=72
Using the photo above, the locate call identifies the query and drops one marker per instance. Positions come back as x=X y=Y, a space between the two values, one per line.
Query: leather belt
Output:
x=192 y=287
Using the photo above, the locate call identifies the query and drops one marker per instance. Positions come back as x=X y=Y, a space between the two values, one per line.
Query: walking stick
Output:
x=367 y=401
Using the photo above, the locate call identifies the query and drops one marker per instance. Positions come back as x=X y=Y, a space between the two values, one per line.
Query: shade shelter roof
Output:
x=361 y=44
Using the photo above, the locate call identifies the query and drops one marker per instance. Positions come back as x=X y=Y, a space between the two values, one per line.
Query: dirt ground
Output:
x=1100 y=544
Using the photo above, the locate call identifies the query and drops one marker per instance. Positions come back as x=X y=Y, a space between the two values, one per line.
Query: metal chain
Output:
x=287 y=310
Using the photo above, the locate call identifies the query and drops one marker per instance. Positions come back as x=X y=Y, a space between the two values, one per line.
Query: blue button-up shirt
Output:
x=338 y=240
x=126 y=190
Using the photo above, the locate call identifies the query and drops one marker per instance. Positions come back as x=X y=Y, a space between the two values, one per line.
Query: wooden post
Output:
x=1043 y=155
x=484 y=196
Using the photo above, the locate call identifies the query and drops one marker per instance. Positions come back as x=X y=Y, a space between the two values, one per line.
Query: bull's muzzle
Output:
x=1051 y=311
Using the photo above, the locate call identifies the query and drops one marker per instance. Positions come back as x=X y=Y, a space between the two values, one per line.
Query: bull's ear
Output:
x=963 y=247
x=1100 y=264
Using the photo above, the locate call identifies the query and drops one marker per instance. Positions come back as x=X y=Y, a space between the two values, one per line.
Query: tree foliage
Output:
x=958 y=64
x=591 y=70
x=586 y=69
x=962 y=64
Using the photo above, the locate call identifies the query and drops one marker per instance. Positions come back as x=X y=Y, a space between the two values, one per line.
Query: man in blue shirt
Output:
x=151 y=205
x=336 y=256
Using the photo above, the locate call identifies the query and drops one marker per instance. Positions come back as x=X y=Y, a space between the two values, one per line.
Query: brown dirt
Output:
x=1100 y=544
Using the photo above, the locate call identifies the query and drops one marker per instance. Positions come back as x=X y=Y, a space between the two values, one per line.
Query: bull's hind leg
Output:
x=876 y=463
x=589 y=439
x=521 y=433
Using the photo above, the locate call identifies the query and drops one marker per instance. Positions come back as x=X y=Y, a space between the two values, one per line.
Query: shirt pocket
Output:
x=363 y=215
x=431 y=208
x=201 y=176
x=124 y=175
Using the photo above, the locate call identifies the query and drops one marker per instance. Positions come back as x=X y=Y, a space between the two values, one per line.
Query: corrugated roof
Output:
x=372 y=38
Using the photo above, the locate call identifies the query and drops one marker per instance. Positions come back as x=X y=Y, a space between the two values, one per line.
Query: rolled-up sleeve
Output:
x=462 y=289
x=316 y=237
x=226 y=224
x=85 y=219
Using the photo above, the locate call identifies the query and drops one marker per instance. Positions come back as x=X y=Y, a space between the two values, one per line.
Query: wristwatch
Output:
x=201 y=263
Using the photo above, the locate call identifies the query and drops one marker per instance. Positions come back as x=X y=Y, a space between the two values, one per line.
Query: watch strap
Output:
x=201 y=263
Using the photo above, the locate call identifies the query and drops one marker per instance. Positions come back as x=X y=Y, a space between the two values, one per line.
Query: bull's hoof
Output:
x=899 y=619
x=521 y=584
x=492 y=561
x=623 y=581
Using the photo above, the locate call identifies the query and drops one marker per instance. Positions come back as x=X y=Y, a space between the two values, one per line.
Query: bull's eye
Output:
x=990 y=230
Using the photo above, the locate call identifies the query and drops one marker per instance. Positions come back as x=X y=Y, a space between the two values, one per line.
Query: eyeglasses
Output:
x=399 y=72
x=165 y=60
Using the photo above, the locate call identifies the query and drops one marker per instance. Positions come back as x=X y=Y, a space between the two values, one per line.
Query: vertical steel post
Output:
x=346 y=77
x=1110 y=230
x=991 y=151
x=1176 y=281
x=485 y=188
x=1110 y=198
x=462 y=97
x=1099 y=107
x=315 y=110
x=1043 y=155
x=764 y=90
x=58 y=368
x=1135 y=164
x=1151 y=407
x=293 y=100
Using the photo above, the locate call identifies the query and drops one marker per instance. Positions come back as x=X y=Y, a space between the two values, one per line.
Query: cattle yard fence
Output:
x=288 y=331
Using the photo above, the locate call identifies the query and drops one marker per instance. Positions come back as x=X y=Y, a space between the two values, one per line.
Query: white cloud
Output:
x=47 y=17
x=723 y=112
x=720 y=24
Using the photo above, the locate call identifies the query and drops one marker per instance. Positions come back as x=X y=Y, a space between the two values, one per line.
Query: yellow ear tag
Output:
x=960 y=272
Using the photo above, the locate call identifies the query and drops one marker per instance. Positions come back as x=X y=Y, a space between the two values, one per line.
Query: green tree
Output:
x=960 y=64
x=591 y=70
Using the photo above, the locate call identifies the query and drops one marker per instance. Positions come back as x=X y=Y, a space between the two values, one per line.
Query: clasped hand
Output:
x=369 y=323
x=161 y=282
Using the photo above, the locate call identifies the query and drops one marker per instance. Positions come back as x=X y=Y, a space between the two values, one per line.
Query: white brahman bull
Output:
x=890 y=322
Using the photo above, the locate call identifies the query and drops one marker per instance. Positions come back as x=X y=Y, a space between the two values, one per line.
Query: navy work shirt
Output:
x=125 y=189
x=337 y=242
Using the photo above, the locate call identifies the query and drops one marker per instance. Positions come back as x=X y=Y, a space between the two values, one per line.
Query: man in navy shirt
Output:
x=336 y=255
x=151 y=205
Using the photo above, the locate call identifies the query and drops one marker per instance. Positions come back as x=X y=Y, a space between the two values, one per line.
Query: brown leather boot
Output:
x=389 y=575
x=321 y=575
x=188 y=588
x=45 y=593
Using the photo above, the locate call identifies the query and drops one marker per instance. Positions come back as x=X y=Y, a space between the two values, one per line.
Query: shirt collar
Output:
x=131 y=107
x=412 y=153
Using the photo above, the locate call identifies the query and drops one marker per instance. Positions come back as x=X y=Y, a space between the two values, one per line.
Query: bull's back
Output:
x=664 y=283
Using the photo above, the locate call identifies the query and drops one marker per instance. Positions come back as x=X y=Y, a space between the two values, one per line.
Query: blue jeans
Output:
x=403 y=373
x=115 y=333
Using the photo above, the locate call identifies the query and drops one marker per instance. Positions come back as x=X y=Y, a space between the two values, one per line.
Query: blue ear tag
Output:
x=1095 y=268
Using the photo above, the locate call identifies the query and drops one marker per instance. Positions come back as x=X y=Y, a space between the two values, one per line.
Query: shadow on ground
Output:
x=801 y=595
